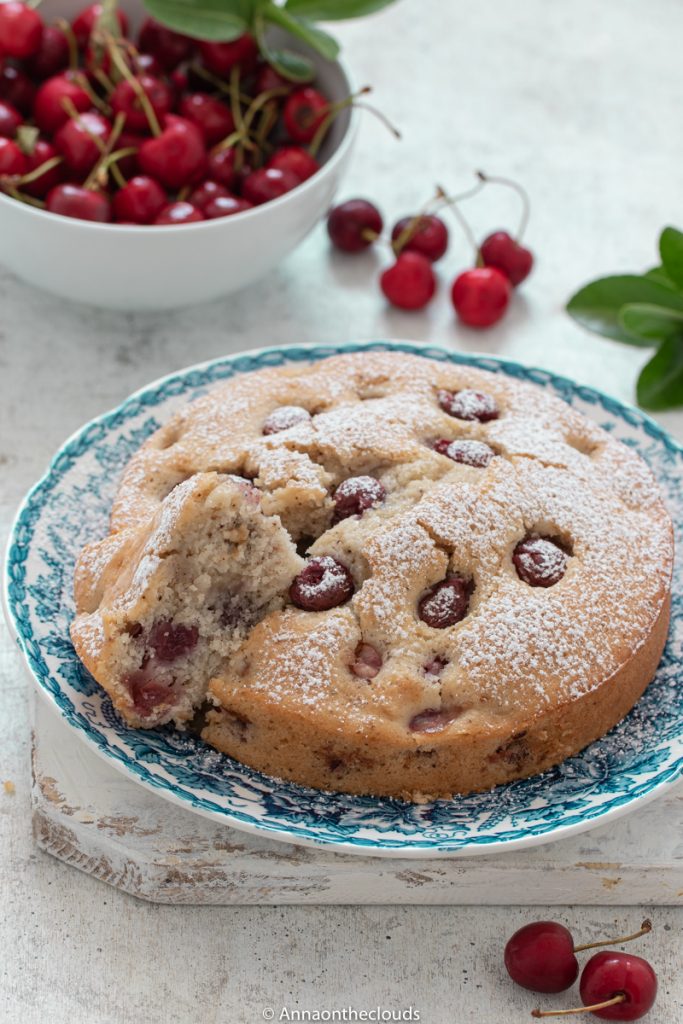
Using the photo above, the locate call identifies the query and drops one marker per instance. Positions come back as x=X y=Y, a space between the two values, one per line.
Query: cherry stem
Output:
x=83 y=82
x=334 y=109
x=645 y=927
x=143 y=98
x=98 y=175
x=452 y=203
x=614 y=1001
x=39 y=171
x=521 y=192
x=10 y=189
x=63 y=25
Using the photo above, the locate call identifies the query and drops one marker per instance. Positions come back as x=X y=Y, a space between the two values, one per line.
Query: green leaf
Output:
x=660 y=385
x=659 y=274
x=651 y=323
x=287 y=63
x=671 y=251
x=596 y=306
x=218 y=21
x=334 y=10
x=314 y=37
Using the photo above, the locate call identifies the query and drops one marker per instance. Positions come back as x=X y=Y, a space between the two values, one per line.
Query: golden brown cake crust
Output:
x=529 y=676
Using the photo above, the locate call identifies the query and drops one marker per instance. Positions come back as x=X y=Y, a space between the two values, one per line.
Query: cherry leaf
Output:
x=660 y=385
x=304 y=30
x=651 y=323
x=218 y=21
x=671 y=251
x=334 y=10
x=597 y=306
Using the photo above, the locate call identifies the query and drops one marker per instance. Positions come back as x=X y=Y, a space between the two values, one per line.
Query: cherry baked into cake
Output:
x=379 y=573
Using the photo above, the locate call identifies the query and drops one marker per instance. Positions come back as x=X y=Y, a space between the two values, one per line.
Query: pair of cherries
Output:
x=479 y=295
x=614 y=985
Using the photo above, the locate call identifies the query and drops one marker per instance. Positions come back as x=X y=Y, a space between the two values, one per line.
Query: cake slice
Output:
x=162 y=605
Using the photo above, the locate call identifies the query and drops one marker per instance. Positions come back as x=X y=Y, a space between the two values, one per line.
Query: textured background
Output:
x=579 y=101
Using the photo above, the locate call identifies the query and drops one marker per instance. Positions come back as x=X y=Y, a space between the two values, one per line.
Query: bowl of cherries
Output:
x=142 y=169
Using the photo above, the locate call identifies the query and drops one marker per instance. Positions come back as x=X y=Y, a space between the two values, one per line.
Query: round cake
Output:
x=380 y=573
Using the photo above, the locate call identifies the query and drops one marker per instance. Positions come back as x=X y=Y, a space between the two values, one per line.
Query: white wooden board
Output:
x=89 y=815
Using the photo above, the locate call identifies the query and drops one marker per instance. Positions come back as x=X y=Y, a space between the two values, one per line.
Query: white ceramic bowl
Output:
x=148 y=268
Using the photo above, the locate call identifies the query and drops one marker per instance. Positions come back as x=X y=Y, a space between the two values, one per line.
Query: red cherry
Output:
x=221 y=58
x=85 y=21
x=481 y=296
x=367 y=661
x=540 y=956
x=179 y=213
x=21 y=28
x=147 y=693
x=608 y=975
x=40 y=154
x=140 y=201
x=469 y=404
x=268 y=79
x=267 y=184
x=284 y=417
x=176 y=157
x=466 y=451
x=10 y=119
x=49 y=109
x=12 y=160
x=324 y=583
x=354 y=225
x=500 y=250
x=445 y=603
x=225 y=206
x=82 y=203
x=428 y=236
x=303 y=113
x=434 y=719
x=78 y=139
x=170 y=48
x=296 y=160
x=171 y=641
x=16 y=88
x=539 y=561
x=221 y=167
x=206 y=192
x=125 y=100
x=213 y=118
x=356 y=495
x=147 y=64
x=52 y=56
x=410 y=282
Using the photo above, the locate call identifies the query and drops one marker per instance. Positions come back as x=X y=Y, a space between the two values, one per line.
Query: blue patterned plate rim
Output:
x=635 y=763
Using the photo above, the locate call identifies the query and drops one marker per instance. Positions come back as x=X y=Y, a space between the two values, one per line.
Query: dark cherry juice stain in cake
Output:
x=445 y=603
x=146 y=691
x=171 y=640
x=356 y=495
x=434 y=719
x=367 y=661
x=539 y=561
x=466 y=451
x=324 y=583
x=469 y=405
x=284 y=417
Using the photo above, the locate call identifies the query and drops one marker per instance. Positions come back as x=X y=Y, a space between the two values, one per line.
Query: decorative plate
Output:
x=635 y=762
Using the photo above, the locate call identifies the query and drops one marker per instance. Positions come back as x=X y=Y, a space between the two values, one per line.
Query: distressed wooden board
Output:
x=89 y=815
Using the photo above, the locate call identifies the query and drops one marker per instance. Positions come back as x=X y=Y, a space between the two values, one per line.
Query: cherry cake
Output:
x=379 y=573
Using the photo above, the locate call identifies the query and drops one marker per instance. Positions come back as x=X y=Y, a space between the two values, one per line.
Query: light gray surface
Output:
x=578 y=100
